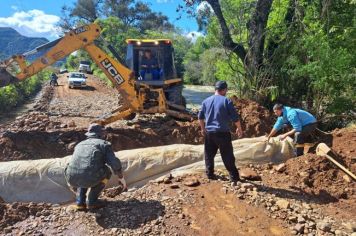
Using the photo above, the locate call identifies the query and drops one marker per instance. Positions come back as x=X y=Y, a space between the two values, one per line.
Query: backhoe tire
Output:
x=130 y=117
x=175 y=95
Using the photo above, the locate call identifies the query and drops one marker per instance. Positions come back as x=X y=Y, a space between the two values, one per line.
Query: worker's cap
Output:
x=220 y=85
x=95 y=130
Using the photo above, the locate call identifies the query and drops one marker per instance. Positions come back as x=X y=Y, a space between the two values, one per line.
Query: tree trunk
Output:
x=228 y=43
x=253 y=59
x=256 y=39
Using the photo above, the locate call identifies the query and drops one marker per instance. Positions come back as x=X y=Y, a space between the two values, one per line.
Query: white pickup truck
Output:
x=77 y=80
x=84 y=67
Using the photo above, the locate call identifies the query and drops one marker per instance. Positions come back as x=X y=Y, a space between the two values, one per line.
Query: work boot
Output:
x=96 y=205
x=234 y=181
x=80 y=206
x=212 y=177
x=81 y=197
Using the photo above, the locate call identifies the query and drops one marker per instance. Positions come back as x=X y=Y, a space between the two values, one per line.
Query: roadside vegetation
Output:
x=16 y=94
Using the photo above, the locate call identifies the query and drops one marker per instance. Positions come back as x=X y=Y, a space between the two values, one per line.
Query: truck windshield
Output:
x=77 y=76
x=85 y=63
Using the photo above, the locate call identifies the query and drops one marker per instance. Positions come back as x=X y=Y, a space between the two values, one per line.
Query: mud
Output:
x=256 y=119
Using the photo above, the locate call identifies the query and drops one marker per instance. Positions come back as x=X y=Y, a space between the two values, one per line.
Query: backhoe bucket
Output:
x=179 y=112
x=6 y=78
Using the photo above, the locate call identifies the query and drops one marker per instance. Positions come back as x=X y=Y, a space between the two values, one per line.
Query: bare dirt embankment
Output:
x=305 y=196
x=61 y=116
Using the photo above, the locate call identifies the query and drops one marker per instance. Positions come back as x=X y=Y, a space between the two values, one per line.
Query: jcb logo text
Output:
x=112 y=71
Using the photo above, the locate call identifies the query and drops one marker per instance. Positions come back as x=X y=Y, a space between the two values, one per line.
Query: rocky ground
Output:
x=304 y=196
x=189 y=205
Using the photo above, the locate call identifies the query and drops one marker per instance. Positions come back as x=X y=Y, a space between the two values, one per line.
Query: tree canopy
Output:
x=300 y=53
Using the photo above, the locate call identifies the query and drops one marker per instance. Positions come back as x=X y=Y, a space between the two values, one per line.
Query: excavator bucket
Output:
x=180 y=112
x=6 y=78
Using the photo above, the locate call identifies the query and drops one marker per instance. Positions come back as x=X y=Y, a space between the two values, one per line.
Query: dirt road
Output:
x=82 y=105
x=159 y=209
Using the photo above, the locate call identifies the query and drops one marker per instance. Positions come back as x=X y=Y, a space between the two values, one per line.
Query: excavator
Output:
x=139 y=96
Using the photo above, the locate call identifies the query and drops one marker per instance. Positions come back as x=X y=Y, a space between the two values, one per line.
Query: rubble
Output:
x=250 y=174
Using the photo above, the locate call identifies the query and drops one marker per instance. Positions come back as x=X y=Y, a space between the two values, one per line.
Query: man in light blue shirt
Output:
x=303 y=124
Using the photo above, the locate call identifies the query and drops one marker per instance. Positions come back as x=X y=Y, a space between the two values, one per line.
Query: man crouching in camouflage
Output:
x=88 y=168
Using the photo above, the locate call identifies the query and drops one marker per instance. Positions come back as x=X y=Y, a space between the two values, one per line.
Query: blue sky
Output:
x=39 y=17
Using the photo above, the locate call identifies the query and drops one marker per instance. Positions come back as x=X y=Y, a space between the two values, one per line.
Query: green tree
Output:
x=131 y=13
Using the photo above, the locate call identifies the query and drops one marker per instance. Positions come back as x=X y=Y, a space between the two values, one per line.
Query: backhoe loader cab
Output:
x=163 y=75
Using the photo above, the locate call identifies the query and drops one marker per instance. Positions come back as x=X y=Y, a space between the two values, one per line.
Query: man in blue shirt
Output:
x=215 y=115
x=303 y=124
x=149 y=64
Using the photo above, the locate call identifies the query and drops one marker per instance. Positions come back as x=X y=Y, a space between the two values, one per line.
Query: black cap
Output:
x=94 y=130
x=220 y=85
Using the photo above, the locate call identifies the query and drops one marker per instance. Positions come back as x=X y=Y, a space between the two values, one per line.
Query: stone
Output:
x=280 y=168
x=311 y=225
x=301 y=219
x=353 y=234
x=167 y=180
x=307 y=206
x=347 y=178
x=324 y=226
x=242 y=190
x=283 y=204
x=351 y=226
x=191 y=182
x=72 y=124
x=299 y=228
x=339 y=232
x=174 y=186
x=247 y=185
x=303 y=174
x=250 y=174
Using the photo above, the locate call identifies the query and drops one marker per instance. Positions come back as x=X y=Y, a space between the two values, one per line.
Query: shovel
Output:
x=322 y=150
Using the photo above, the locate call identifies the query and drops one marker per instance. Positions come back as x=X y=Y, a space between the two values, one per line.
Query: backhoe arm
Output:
x=71 y=42
x=118 y=74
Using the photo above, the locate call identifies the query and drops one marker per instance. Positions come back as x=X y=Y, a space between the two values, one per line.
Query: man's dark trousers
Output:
x=221 y=141
x=301 y=137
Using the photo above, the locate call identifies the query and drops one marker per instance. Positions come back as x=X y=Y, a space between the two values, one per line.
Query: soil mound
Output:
x=256 y=119
x=318 y=176
x=35 y=136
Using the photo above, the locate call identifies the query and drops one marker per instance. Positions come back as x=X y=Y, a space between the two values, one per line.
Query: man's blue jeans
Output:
x=93 y=195
x=154 y=72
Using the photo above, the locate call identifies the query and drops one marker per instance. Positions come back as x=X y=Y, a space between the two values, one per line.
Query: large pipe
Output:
x=43 y=180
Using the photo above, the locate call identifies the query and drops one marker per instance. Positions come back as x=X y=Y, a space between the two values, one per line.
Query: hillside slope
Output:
x=12 y=42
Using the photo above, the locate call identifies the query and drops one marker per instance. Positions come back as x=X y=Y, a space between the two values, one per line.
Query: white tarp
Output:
x=43 y=180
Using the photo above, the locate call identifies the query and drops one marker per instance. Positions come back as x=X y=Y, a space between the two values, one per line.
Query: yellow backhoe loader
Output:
x=139 y=96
